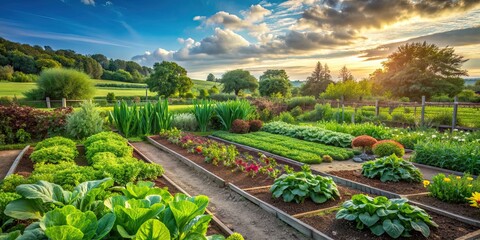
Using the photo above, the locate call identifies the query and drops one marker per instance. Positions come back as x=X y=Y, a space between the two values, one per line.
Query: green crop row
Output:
x=302 y=151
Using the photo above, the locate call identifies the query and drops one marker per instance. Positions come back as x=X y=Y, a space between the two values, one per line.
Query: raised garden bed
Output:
x=396 y=187
x=462 y=209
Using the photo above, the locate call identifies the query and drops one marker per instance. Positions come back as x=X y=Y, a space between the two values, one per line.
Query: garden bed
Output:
x=462 y=209
x=342 y=229
x=395 y=187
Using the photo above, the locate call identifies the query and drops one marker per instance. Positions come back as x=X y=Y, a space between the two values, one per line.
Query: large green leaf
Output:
x=152 y=230
x=24 y=209
x=421 y=227
x=368 y=219
x=105 y=225
x=182 y=212
x=199 y=224
x=10 y=236
x=45 y=191
x=377 y=229
x=64 y=232
x=393 y=228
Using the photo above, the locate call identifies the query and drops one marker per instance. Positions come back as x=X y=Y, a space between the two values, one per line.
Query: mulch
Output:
x=395 y=187
x=462 y=209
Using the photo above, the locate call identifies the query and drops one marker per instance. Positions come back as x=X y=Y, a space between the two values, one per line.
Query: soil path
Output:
x=235 y=211
x=6 y=159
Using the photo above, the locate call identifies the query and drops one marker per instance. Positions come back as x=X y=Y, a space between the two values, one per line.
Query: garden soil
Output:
x=7 y=158
x=232 y=209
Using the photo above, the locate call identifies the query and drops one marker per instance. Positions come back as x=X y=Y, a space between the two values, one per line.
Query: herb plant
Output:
x=55 y=154
x=56 y=141
x=391 y=169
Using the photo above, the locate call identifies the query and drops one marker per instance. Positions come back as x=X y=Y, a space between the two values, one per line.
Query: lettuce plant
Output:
x=54 y=154
x=392 y=169
x=56 y=141
x=300 y=185
x=381 y=215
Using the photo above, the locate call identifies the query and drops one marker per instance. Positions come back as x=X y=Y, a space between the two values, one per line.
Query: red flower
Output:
x=252 y=168
x=198 y=149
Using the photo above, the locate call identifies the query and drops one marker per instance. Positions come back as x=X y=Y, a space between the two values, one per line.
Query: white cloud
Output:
x=88 y=2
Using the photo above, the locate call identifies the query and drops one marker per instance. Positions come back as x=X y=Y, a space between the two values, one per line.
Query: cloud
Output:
x=88 y=2
x=460 y=37
x=314 y=40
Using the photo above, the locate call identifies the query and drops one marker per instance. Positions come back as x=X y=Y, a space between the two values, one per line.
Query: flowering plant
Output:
x=474 y=200
x=454 y=189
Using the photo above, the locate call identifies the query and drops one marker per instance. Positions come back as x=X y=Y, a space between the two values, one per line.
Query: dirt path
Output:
x=236 y=212
x=6 y=159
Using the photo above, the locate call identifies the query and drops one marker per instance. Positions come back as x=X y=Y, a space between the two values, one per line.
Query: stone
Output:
x=357 y=159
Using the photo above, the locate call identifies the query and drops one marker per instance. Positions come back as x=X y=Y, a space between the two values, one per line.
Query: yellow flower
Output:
x=447 y=179
x=426 y=183
x=475 y=200
x=469 y=178
x=458 y=177
x=469 y=185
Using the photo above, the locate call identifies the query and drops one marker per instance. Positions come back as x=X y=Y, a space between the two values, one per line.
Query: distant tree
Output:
x=211 y=78
x=213 y=90
x=237 y=80
x=43 y=64
x=422 y=69
x=345 y=74
x=349 y=90
x=295 y=92
x=275 y=86
x=102 y=59
x=318 y=81
x=122 y=75
x=22 y=62
x=274 y=73
x=6 y=72
x=168 y=78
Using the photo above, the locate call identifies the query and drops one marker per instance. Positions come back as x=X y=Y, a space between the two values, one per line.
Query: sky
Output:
x=214 y=36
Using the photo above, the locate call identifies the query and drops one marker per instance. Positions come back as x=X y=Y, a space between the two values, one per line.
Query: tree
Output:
x=345 y=74
x=102 y=59
x=318 y=81
x=275 y=86
x=43 y=64
x=22 y=62
x=211 y=78
x=213 y=90
x=58 y=83
x=6 y=73
x=237 y=80
x=169 y=78
x=349 y=90
x=274 y=73
x=421 y=69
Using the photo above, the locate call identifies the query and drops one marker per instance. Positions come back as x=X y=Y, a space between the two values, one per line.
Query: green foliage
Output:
x=185 y=122
x=119 y=148
x=43 y=64
x=203 y=112
x=318 y=81
x=84 y=122
x=349 y=90
x=273 y=86
x=66 y=174
x=9 y=183
x=64 y=83
x=308 y=133
x=54 y=154
x=6 y=73
x=388 y=147
x=235 y=236
x=391 y=168
x=228 y=111
x=56 y=141
x=453 y=189
x=5 y=199
x=320 y=112
x=22 y=77
x=285 y=117
x=300 y=185
x=454 y=155
x=303 y=102
x=169 y=78
x=213 y=90
x=296 y=111
x=211 y=78
x=111 y=97
x=104 y=136
x=237 y=80
x=299 y=150
x=394 y=217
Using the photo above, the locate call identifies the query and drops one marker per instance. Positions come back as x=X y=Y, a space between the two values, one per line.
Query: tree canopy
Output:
x=274 y=82
x=318 y=81
x=422 y=69
x=349 y=90
x=169 y=78
x=237 y=80
x=345 y=74
x=211 y=78
x=274 y=73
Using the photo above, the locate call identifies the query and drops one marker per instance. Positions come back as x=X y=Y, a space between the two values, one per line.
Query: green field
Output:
x=12 y=89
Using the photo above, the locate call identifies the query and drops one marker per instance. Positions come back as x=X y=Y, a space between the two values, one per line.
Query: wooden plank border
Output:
x=15 y=163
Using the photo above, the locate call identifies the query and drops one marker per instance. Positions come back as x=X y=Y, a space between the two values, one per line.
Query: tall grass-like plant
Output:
x=163 y=116
x=124 y=117
x=203 y=111
x=228 y=111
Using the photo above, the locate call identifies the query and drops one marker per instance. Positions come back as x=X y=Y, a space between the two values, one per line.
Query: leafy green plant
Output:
x=104 y=136
x=228 y=111
x=300 y=185
x=55 y=154
x=308 y=133
x=9 y=183
x=285 y=117
x=453 y=189
x=388 y=147
x=391 y=168
x=185 y=121
x=377 y=131
x=203 y=112
x=119 y=148
x=394 y=217
x=56 y=141
x=124 y=118
x=303 y=102
x=84 y=122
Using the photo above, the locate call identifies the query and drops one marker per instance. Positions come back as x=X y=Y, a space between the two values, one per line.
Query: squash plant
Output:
x=381 y=215
x=392 y=169
x=299 y=185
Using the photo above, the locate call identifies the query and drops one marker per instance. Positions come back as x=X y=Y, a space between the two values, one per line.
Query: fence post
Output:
x=343 y=110
x=377 y=109
x=49 y=105
x=455 y=110
x=64 y=102
x=422 y=117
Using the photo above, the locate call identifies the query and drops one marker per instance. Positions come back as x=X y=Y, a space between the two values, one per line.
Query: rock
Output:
x=357 y=159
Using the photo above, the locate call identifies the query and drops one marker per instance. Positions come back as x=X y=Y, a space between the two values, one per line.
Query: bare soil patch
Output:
x=7 y=158
x=462 y=209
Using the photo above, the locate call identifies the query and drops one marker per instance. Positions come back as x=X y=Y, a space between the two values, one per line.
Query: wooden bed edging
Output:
x=460 y=218
x=441 y=170
x=302 y=227
x=219 y=181
x=217 y=221
x=19 y=157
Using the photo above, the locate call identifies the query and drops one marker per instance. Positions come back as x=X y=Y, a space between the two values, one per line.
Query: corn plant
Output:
x=228 y=111
x=203 y=111
x=164 y=118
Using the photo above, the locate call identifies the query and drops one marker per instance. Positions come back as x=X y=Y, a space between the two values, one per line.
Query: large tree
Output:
x=422 y=69
x=274 y=73
x=211 y=78
x=274 y=82
x=345 y=74
x=169 y=78
x=318 y=81
x=237 y=80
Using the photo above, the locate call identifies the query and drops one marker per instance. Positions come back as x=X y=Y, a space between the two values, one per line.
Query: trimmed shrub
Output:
x=391 y=168
x=56 y=141
x=240 y=126
x=388 y=147
x=55 y=154
x=223 y=97
x=364 y=142
x=255 y=125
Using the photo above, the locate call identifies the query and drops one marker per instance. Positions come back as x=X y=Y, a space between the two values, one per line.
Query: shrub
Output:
x=391 y=168
x=300 y=185
x=364 y=142
x=22 y=136
x=452 y=189
x=240 y=126
x=6 y=73
x=285 y=117
x=22 y=77
x=388 y=147
x=119 y=148
x=84 y=122
x=203 y=112
x=303 y=102
x=185 y=121
x=223 y=97
x=327 y=158
x=395 y=216
x=55 y=154
x=229 y=111
x=111 y=97
x=320 y=112
x=104 y=136
x=58 y=83
x=296 y=111
x=374 y=130
x=255 y=125
x=56 y=141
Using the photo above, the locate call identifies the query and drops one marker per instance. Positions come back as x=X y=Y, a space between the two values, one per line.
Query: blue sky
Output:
x=215 y=36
